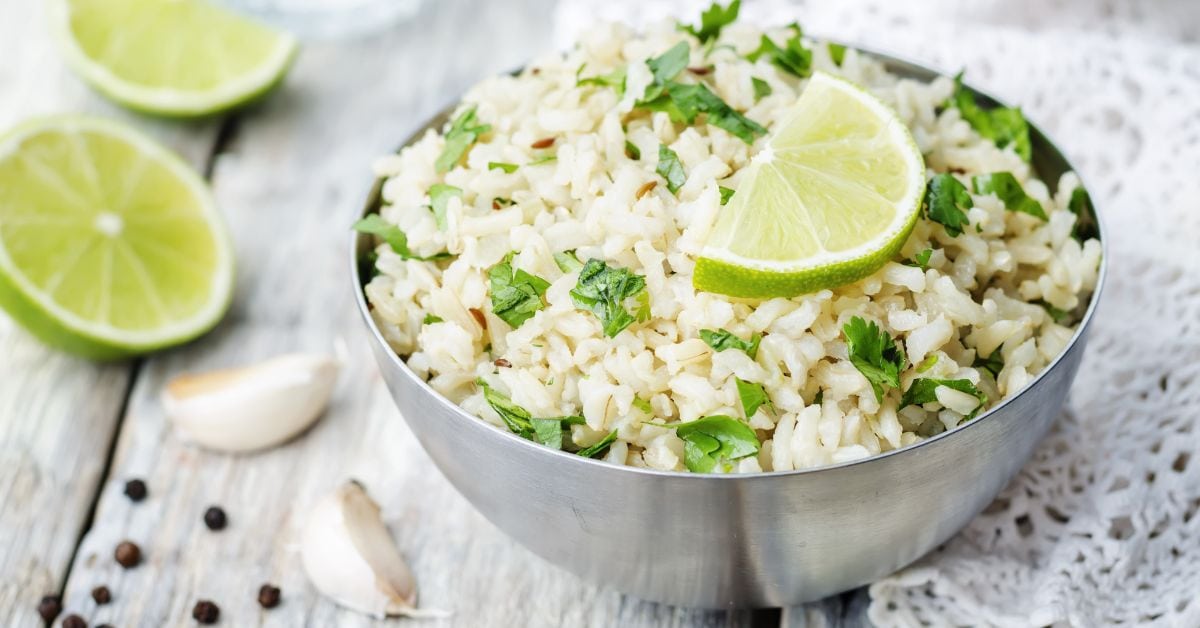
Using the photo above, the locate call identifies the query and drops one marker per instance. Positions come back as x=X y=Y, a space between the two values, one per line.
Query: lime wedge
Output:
x=110 y=245
x=832 y=196
x=171 y=57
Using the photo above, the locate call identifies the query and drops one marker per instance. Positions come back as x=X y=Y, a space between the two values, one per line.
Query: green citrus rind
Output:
x=62 y=329
x=167 y=101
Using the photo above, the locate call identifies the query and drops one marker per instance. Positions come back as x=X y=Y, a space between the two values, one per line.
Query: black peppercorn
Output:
x=128 y=554
x=215 y=518
x=73 y=621
x=49 y=607
x=135 y=490
x=268 y=596
x=206 y=612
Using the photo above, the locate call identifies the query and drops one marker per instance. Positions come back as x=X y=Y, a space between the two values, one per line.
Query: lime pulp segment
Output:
x=109 y=244
x=831 y=197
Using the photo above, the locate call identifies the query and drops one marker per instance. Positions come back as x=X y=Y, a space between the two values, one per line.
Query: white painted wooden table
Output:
x=289 y=176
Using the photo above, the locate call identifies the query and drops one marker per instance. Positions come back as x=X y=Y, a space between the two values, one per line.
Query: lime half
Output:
x=109 y=244
x=832 y=196
x=171 y=57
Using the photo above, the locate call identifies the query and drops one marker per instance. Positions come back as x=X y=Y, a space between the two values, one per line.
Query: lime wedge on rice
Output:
x=171 y=57
x=109 y=244
x=829 y=200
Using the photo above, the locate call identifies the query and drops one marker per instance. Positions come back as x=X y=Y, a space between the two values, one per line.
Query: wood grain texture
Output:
x=58 y=414
x=294 y=173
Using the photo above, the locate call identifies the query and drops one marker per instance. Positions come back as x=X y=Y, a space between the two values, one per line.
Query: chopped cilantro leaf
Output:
x=875 y=354
x=567 y=261
x=1006 y=187
x=395 y=238
x=752 y=395
x=632 y=151
x=837 y=52
x=516 y=418
x=643 y=405
x=921 y=260
x=439 y=198
x=723 y=339
x=946 y=202
x=762 y=89
x=1057 y=315
x=516 y=294
x=712 y=20
x=600 y=447
x=715 y=439
x=793 y=57
x=670 y=168
x=431 y=319
x=1081 y=205
x=665 y=68
x=928 y=363
x=500 y=165
x=543 y=160
x=614 y=79
x=924 y=390
x=684 y=101
x=726 y=194
x=603 y=290
x=462 y=134
x=498 y=202
x=993 y=363
x=1003 y=125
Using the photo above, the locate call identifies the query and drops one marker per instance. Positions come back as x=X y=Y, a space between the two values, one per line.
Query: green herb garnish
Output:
x=431 y=319
x=462 y=134
x=548 y=432
x=715 y=439
x=395 y=238
x=670 y=168
x=946 y=203
x=1057 y=315
x=439 y=198
x=712 y=21
x=1003 y=125
x=921 y=260
x=723 y=339
x=632 y=151
x=600 y=447
x=875 y=354
x=500 y=165
x=1006 y=187
x=928 y=363
x=726 y=194
x=643 y=405
x=762 y=89
x=543 y=160
x=993 y=363
x=603 y=290
x=614 y=79
x=924 y=390
x=1081 y=205
x=752 y=395
x=567 y=261
x=837 y=52
x=684 y=101
x=793 y=57
x=516 y=294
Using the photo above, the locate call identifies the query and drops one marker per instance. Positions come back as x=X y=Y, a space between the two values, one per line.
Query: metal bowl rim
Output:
x=472 y=422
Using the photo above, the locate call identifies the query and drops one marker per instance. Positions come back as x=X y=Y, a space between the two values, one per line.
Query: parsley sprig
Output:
x=549 y=432
x=723 y=340
x=752 y=395
x=714 y=440
x=924 y=390
x=670 y=168
x=1006 y=187
x=516 y=294
x=603 y=291
x=792 y=57
x=875 y=354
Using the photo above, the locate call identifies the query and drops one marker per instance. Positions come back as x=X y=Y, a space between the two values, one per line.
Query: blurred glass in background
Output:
x=327 y=19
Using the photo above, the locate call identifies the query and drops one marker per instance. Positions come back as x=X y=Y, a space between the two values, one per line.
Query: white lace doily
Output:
x=1102 y=526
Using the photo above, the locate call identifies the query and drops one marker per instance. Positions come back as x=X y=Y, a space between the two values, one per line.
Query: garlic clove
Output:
x=350 y=557
x=252 y=407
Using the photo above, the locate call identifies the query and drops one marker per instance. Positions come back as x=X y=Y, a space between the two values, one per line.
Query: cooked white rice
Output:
x=980 y=293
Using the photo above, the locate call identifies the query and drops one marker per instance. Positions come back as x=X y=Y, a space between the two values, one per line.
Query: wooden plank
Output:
x=58 y=414
x=296 y=171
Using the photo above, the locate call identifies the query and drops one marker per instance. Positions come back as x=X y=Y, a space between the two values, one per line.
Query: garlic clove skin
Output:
x=253 y=407
x=350 y=557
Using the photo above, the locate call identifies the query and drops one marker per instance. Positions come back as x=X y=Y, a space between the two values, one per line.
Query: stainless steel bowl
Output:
x=757 y=540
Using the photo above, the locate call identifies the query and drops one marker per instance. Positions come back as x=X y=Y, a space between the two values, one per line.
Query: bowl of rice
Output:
x=691 y=447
